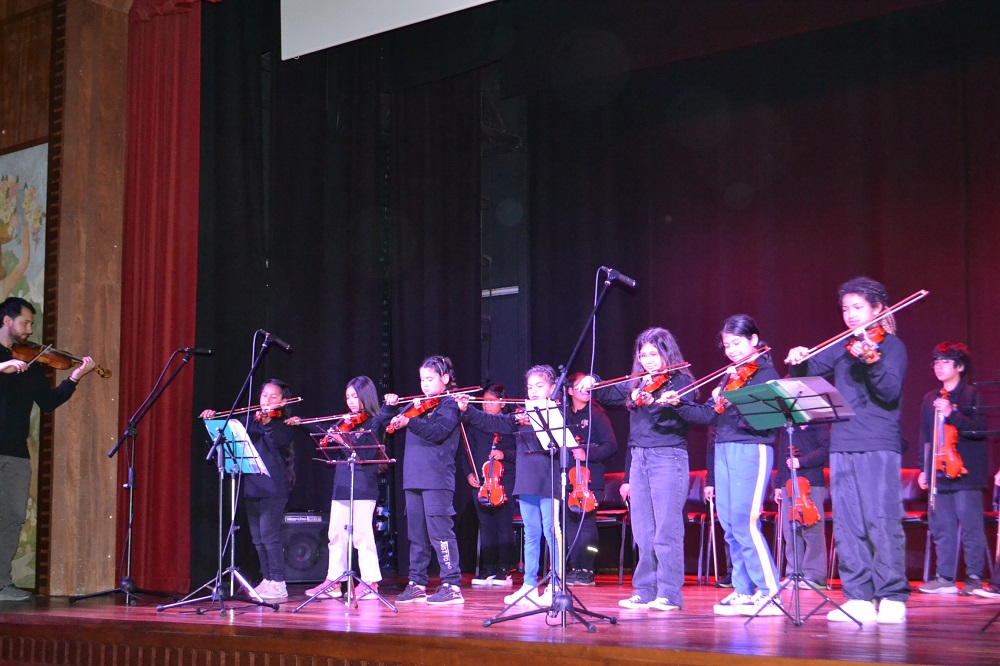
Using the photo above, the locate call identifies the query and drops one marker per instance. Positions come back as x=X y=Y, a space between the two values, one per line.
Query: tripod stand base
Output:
x=562 y=604
x=218 y=594
x=350 y=598
x=798 y=582
x=128 y=588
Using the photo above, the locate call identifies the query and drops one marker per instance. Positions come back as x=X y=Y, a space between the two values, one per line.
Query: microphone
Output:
x=268 y=338
x=615 y=275
x=197 y=351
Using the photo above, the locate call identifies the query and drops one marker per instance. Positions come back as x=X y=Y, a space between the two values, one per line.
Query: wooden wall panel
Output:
x=83 y=557
x=25 y=46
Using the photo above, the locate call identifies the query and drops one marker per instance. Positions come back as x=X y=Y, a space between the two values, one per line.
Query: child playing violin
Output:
x=958 y=499
x=429 y=484
x=496 y=522
x=810 y=453
x=537 y=479
x=866 y=457
x=744 y=458
x=265 y=495
x=362 y=401
x=598 y=443
x=656 y=470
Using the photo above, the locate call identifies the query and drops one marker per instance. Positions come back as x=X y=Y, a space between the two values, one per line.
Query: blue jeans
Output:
x=658 y=482
x=536 y=512
x=742 y=476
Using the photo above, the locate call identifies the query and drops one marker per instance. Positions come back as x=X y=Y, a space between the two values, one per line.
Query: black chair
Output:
x=612 y=511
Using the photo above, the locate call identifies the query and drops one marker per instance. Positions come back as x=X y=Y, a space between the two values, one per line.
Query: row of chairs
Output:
x=613 y=513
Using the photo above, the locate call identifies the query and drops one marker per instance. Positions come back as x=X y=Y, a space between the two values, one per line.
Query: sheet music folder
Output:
x=807 y=399
x=239 y=453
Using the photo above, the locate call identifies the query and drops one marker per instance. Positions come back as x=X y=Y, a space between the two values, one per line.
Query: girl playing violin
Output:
x=656 y=470
x=362 y=399
x=598 y=443
x=866 y=457
x=744 y=458
x=958 y=501
x=432 y=439
x=496 y=522
x=265 y=495
x=537 y=478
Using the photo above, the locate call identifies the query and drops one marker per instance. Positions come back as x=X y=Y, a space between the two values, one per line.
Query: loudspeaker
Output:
x=305 y=539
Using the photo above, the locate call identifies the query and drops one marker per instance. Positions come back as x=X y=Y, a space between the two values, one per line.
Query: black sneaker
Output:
x=585 y=577
x=413 y=592
x=725 y=581
x=988 y=592
x=446 y=594
x=971 y=583
x=573 y=577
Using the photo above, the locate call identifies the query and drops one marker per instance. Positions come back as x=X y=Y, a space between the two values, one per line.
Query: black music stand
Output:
x=791 y=402
x=351 y=453
x=236 y=455
x=546 y=419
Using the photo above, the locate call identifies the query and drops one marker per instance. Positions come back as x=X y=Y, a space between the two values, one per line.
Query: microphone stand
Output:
x=127 y=586
x=562 y=601
x=217 y=594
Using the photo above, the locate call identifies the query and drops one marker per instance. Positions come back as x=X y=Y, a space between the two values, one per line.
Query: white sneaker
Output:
x=277 y=590
x=891 y=612
x=524 y=593
x=635 y=601
x=502 y=581
x=858 y=609
x=733 y=604
x=663 y=604
x=761 y=601
x=332 y=591
x=476 y=582
x=263 y=586
x=545 y=598
x=362 y=593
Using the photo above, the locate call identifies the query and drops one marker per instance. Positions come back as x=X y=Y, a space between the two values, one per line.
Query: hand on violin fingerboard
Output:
x=399 y=422
x=207 y=414
x=86 y=366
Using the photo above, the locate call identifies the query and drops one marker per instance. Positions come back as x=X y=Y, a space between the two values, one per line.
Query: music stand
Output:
x=237 y=455
x=545 y=419
x=351 y=453
x=791 y=402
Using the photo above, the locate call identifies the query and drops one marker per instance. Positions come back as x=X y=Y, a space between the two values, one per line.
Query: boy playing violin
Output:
x=957 y=499
x=866 y=457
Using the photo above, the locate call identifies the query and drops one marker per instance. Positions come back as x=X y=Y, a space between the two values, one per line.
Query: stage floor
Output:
x=939 y=630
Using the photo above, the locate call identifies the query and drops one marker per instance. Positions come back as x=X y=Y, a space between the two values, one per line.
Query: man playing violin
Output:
x=21 y=385
x=866 y=457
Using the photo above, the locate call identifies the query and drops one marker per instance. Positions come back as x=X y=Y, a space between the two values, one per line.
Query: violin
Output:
x=906 y=302
x=416 y=409
x=738 y=379
x=244 y=410
x=581 y=499
x=350 y=422
x=649 y=389
x=732 y=367
x=491 y=491
x=946 y=457
x=801 y=509
x=29 y=352
x=868 y=340
x=624 y=378
x=269 y=413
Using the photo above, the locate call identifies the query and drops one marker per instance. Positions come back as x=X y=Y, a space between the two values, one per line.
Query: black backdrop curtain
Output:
x=760 y=179
x=340 y=203
x=342 y=218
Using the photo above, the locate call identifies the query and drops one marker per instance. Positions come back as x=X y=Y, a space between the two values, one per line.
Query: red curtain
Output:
x=159 y=280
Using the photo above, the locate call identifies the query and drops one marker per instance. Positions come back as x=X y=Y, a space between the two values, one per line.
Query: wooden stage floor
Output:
x=939 y=630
